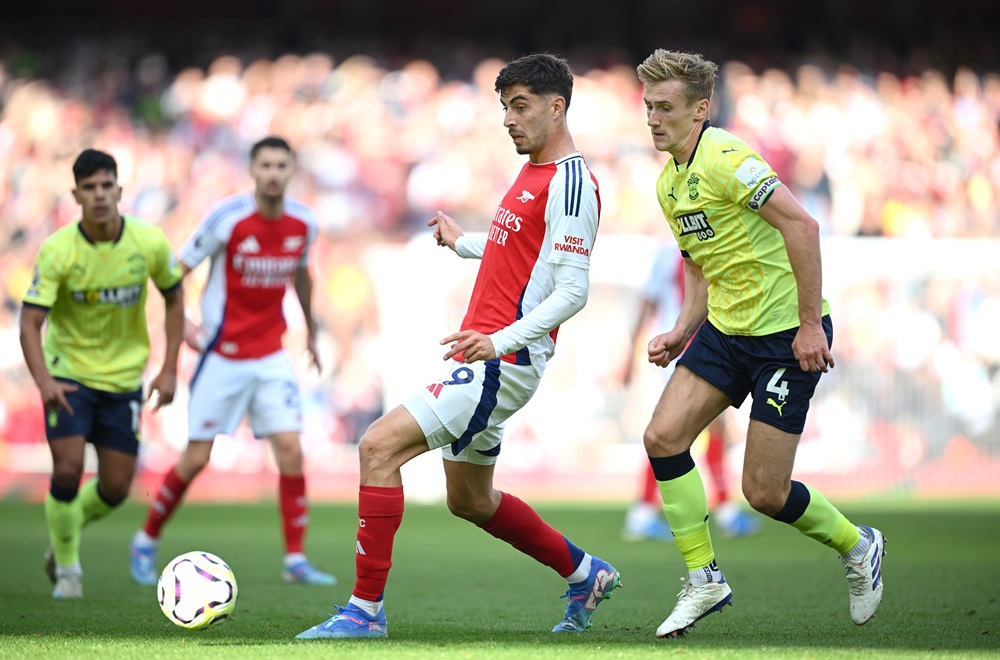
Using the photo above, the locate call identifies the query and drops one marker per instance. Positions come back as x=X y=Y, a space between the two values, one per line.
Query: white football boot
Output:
x=68 y=585
x=864 y=578
x=693 y=604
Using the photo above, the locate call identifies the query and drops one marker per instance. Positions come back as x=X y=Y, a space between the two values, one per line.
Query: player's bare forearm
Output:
x=664 y=348
x=801 y=235
x=173 y=322
x=802 y=245
x=52 y=391
x=164 y=385
x=694 y=309
x=31 y=344
x=810 y=346
x=304 y=291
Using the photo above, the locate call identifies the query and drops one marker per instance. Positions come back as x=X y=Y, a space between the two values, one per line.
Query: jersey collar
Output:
x=704 y=127
x=121 y=231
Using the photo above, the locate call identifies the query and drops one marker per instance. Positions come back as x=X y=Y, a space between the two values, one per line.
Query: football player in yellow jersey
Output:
x=89 y=286
x=757 y=323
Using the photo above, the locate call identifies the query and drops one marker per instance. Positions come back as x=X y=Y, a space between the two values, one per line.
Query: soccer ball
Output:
x=196 y=590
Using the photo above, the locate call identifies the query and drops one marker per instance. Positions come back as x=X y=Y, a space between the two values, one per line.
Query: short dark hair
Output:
x=541 y=73
x=91 y=161
x=271 y=141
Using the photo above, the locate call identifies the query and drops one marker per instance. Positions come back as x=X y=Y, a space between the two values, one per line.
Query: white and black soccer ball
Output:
x=196 y=590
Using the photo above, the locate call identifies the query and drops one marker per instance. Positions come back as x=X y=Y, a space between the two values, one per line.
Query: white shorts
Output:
x=224 y=390
x=463 y=413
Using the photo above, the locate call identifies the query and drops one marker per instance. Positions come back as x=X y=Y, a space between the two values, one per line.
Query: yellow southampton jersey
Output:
x=712 y=205
x=96 y=330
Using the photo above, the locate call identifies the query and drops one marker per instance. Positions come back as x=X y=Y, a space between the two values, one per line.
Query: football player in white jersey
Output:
x=258 y=243
x=533 y=276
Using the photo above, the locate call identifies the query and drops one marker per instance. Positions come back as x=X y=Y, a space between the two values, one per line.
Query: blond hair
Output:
x=695 y=72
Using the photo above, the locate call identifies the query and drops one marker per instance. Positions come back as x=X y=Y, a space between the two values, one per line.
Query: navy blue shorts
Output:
x=763 y=366
x=105 y=419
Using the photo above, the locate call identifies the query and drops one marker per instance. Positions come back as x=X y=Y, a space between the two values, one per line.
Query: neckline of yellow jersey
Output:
x=121 y=230
x=704 y=127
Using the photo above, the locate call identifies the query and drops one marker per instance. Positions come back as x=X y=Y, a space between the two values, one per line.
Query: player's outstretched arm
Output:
x=164 y=385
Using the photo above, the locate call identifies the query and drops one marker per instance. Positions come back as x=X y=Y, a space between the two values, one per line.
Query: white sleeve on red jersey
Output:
x=213 y=232
x=572 y=214
x=571 y=218
x=470 y=248
x=569 y=295
x=306 y=214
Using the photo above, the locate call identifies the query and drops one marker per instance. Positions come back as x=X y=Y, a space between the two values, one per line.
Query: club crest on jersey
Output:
x=525 y=197
x=696 y=223
x=692 y=184
x=292 y=243
x=137 y=264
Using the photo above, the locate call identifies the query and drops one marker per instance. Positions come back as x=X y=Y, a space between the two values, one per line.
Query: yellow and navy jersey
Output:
x=95 y=294
x=712 y=205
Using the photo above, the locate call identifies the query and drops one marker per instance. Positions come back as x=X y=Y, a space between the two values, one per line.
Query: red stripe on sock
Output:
x=380 y=512
x=167 y=499
x=517 y=523
x=294 y=510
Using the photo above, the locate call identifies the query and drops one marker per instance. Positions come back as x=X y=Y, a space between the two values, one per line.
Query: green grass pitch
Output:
x=455 y=592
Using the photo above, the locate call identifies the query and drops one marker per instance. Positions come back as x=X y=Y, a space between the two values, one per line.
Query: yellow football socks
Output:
x=65 y=521
x=686 y=508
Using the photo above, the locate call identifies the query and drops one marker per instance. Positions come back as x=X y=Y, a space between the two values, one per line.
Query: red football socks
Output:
x=167 y=499
x=294 y=511
x=380 y=512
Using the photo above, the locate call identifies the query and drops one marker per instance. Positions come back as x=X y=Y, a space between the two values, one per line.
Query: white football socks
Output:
x=372 y=608
x=706 y=575
x=582 y=571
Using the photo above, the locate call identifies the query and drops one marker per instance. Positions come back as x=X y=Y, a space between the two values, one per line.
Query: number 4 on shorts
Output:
x=778 y=386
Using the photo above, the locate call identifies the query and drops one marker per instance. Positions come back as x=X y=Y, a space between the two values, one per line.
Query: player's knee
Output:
x=374 y=452
x=115 y=493
x=767 y=501
x=662 y=441
x=289 y=457
x=67 y=473
x=474 y=509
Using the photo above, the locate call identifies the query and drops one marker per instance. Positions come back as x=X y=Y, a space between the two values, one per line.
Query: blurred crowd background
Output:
x=882 y=120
